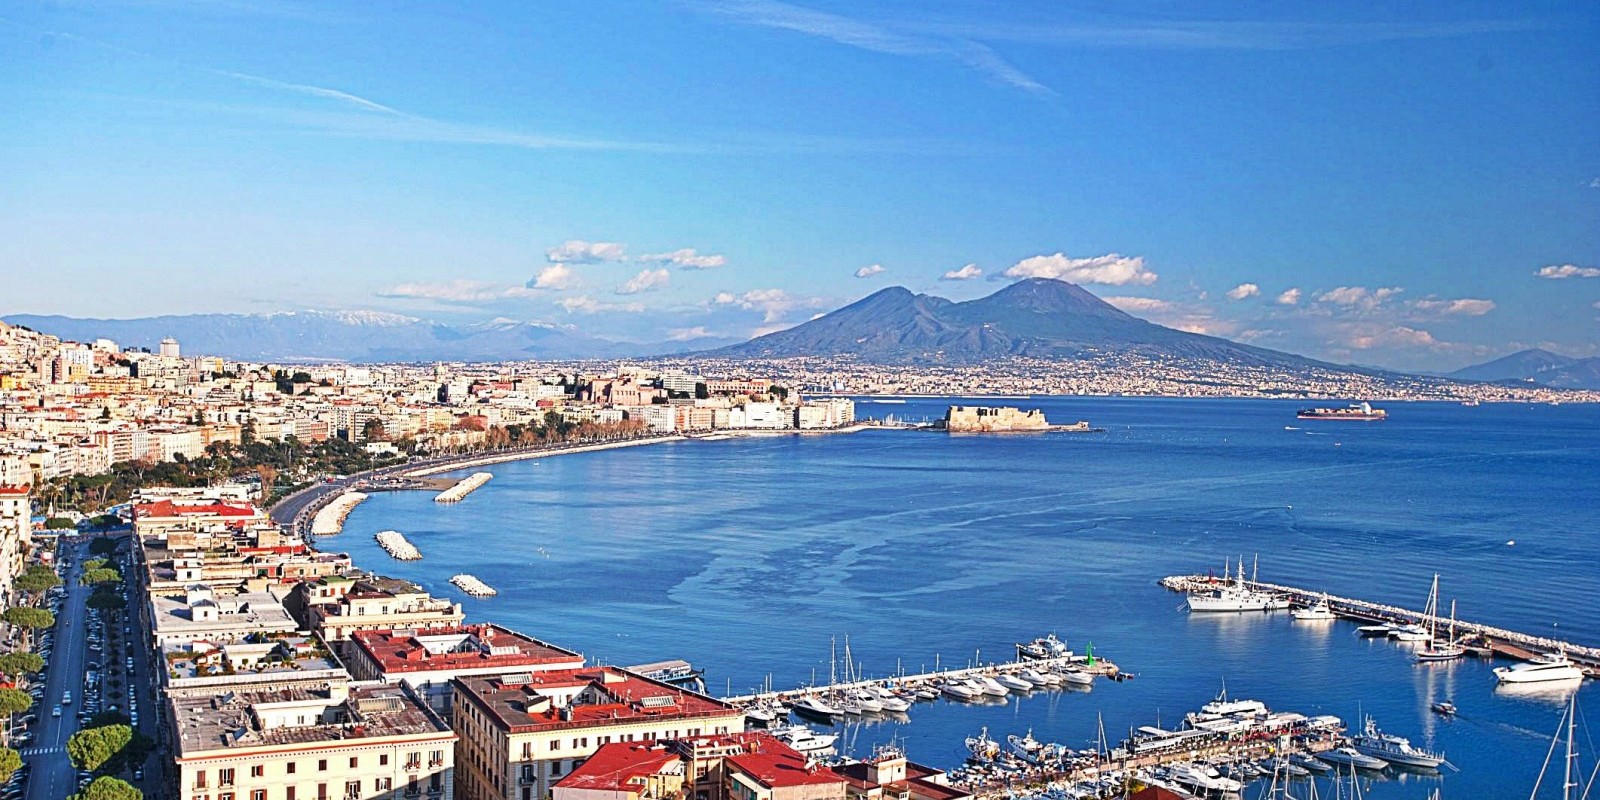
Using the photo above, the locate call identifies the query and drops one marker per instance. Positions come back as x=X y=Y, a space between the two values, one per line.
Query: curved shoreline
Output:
x=501 y=458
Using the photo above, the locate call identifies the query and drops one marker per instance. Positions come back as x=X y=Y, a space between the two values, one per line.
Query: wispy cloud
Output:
x=966 y=273
x=457 y=291
x=1243 y=290
x=578 y=251
x=875 y=37
x=870 y=270
x=686 y=258
x=589 y=305
x=647 y=280
x=1560 y=271
x=1111 y=269
x=1290 y=297
x=1239 y=34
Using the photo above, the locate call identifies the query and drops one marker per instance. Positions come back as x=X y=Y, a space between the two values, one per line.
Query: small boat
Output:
x=866 y=702
x=1350 y=756
x=927 y=693
x=1013 y=682
x=1550 y=667
x=1375 y=631
x=1310 y=762
x=1047 y=646
x=1039 y=679
x=895 y=705
x=989 y=685
x=804 y=739
x=1410 y=633
x=1444 y=708
x=1317 y=612
x=1076 y=677
x=960 y=691
x=1201 y=776
x=981 y=748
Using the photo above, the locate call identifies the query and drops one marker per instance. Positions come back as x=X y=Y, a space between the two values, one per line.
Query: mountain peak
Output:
x=1050 y=296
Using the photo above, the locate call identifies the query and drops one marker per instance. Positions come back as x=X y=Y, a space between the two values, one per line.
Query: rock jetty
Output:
x=468 y=485
x=398 y=546
x=330 y=519
x=471 y=585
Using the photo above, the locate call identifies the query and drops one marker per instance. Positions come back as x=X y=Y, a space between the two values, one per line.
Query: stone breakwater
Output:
x=471 y=585
x=466 y=486
x=330 y=518
x=396 y=544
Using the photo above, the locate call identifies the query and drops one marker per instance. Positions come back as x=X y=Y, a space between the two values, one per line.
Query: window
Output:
x=290 y=768
x=436 y=758
x=322 y=791
x=555 y=768
x=527 y=750
x=322 y=765
x=288 y=794
x=258 y=794
x=200 y=779
x=353 y=762
x=352 y=790
x=383 y=759
x=383 y=784
x=555 y=744
x=225 y=796
x=258 y=771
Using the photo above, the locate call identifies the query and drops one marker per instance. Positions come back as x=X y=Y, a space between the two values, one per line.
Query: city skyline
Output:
x=1407 y=189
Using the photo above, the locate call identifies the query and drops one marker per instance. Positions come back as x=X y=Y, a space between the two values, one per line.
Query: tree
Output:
x=91 y=748
x=101 y=575
x=19 y=663
x=107 y=601
x=269 y=477
x=103 y=546
x=29 y=617
x=38 y=578
x=10 y=762
x=60 y=524
x=105 y=718
x=14 y=701
x=372 y=431
x=107 y=788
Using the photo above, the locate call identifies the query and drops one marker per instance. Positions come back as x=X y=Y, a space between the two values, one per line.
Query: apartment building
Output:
x=428 y=659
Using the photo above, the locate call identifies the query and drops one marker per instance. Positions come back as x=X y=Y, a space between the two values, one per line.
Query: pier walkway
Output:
x=1100 y=667
x=1509 y=643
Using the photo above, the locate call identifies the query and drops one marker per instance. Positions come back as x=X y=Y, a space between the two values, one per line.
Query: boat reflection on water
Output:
x=1553 y=693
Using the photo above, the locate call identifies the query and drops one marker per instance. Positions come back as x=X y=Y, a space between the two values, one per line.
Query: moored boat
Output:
x=814 y=706
x=1394 y=749
x=1349 y=756
x=1550 y=667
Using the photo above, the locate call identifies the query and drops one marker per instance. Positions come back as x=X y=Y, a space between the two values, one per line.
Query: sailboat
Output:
x=1415 y=632
x=1447 y=650
x=1571 y=783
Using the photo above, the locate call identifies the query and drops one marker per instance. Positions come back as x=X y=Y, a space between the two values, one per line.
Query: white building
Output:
x=169 y=348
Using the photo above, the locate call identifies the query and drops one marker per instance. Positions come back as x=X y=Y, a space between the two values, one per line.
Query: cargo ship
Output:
x=1360 y=411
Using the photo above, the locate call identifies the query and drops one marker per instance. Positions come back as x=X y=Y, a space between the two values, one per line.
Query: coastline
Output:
x=502 y=458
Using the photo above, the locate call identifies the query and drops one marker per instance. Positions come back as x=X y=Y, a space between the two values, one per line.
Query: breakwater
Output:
x=1509 y=643
x=396 y=544
x=330 y=518
x=471 y=585
x=464 y=487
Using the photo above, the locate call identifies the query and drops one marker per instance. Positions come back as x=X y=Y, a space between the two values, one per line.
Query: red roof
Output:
x=404 y=653
x=619 y=767
x=168 y=508
x=16 y=490
x=776 y=765
x=631 y=697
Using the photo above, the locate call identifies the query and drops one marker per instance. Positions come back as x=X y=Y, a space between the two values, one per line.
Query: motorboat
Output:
x=1375 y=631
x=1410 y=633
x=1549 y=667
x=1047 y=646
x=1310 y=762
x=990 y=686
x=1444 y=708
x=804 y=739
x=867 y=702
x=1349 y=756
x=1317 y=612
x=1025 y=746
x=1200 y=776
x=1234 y=596
x=766 y=712
x=927 y=693
x=1013 y=682
x=1039 y=679
x=1394 y=749
x=960 y=691
x=815 y=706
x=895 y=705
x=1076 y=677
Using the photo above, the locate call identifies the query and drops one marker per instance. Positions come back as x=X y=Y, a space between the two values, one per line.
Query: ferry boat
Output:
x=1552 y=667
x=1394 y=749
x=1359 y=412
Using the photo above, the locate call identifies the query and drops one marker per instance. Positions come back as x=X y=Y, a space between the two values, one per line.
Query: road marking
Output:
x=39 y=751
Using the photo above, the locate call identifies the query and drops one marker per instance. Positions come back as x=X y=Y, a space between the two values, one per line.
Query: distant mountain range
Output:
x=1536 y=366
x=1038 y=317
x=359 y=336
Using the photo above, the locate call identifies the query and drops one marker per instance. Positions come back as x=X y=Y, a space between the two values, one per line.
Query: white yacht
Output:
x=1201 y=776
x=960 y=691
x=896 y=705
x=1013 y=682
x=1352 y=757
x=1076 y=677
x=1550 y=667
x=1038 y=678
x=989 y=686
x=1394 y=749
x=866 y=701
x=1235 y=596
x=1410 y=633
x=804 y=739
x=817 y=707
x=1317 y=612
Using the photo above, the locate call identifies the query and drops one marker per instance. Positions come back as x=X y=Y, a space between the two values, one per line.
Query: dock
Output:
x=1094 y=665
x=1511 y=644
x=464 y=487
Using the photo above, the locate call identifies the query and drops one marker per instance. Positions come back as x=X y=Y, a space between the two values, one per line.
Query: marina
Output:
x=330 y=518
x=464 y=487
x=472 y=586
x=396 y=544
x=1400 y=623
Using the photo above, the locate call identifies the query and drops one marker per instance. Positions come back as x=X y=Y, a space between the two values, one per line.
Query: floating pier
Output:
x=471 y=585
x=1509 y=643
x=466 y=486
x=398 y=546
x=329 y=519
x=1090 y=665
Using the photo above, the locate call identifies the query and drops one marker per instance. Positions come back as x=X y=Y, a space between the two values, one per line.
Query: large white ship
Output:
x=1235 y=596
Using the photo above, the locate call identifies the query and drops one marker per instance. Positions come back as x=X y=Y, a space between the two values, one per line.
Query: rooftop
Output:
x=234 y=720
x=170 y=508
x=622 y=766
x=587 y=697
x=459 y=647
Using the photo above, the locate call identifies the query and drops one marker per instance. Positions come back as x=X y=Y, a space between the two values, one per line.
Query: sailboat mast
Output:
x=1568 y=784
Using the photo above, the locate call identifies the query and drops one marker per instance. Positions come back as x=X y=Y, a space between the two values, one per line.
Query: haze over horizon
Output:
x=1400 y=186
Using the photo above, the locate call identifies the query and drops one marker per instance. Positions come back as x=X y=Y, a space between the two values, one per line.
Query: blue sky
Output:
x=1403 y=173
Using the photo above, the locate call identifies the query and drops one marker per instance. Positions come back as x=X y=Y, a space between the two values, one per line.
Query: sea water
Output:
x=754 y=557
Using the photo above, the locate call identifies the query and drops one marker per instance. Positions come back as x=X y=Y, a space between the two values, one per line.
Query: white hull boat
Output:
x=1554 y=667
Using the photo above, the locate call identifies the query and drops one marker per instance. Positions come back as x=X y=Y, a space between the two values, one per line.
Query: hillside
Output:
x=1536 y=366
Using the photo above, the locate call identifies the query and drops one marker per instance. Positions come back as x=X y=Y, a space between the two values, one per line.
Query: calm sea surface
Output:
x=746 y=556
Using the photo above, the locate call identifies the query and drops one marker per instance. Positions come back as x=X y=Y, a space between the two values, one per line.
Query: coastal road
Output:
x=52 y=776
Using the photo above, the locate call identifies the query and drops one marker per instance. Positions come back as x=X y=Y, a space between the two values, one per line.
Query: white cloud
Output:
x=1112 y=269
x=1139 y=303
x=774 y=304
x=966 y=273
x=1466 y=307
x=869 y=271
x=687 y=258
x=1567 y=271
x=555 y=276
x=1397 y=336
x=725 y=299
x=685 y=334
x=1594 y=184
x=577 y=251
x=457 y=291
x=589 y=305
x=1290 y=297
x=1243 y=290
x=772 y=328
x=645 y=281
x=1358 y=296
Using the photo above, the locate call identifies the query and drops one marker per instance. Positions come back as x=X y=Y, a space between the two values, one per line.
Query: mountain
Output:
x=1536 y=366
x=1038 y=317
x=362 y=336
